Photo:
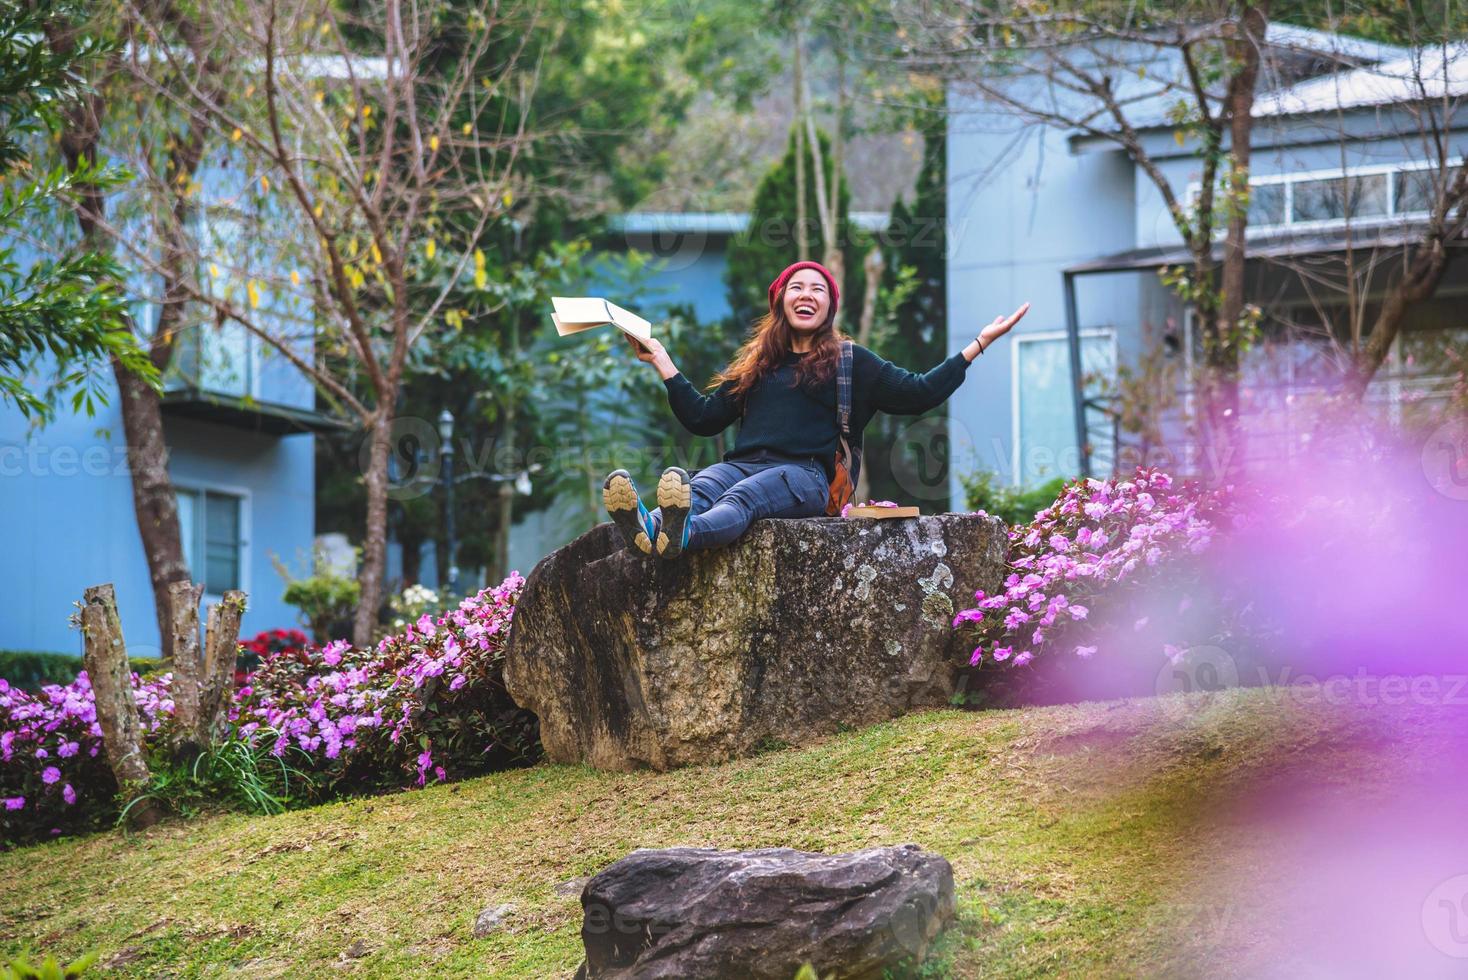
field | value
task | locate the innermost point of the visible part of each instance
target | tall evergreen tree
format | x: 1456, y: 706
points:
x: 905, y: 457
x: 918, y: 240
x: 770, y: 243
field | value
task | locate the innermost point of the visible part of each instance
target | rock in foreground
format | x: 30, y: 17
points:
x: 798, y: 629
x: 696, y: 913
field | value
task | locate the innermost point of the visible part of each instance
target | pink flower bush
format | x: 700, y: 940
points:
x: 54, y: 778
x: 1101, y: 542
x: 426, y: 703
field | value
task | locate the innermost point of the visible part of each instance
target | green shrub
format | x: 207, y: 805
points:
x: 325, y: 600
x: 30, y: 670
x: 1012, y: 505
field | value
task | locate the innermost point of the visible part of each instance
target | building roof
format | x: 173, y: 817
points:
x: 1394, y: 234
x: 715, y: 222
x: 1341, y: 46
x: 1429, y: 73
x: 1357, y: 73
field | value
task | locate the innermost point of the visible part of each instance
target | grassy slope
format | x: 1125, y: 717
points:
x: 1076, y: 833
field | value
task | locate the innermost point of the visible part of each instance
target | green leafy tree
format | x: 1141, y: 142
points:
x: 609, y: 79
x: 60, y: 316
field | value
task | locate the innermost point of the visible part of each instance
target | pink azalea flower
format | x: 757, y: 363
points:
x: 1023, y: 657
x: 50, y: 775
x: 1015, y: 618
x: 68, y: 794
x: 331, y: 654
x: 1085, y: 652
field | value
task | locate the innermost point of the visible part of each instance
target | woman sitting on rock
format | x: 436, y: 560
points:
x: 782, y: 385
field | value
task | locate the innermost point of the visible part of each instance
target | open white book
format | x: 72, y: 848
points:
x: 574, y: 314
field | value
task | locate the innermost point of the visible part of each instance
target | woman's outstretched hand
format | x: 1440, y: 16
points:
x: 651, y: 351
x: 997, y: 328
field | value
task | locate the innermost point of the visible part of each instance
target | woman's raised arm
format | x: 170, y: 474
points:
x: 703, y: 415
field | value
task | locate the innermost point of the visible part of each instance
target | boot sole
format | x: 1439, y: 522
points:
x: 675, y: 497
x: 620, y: 498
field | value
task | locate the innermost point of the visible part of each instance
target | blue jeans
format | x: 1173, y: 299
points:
x: 729, y: 496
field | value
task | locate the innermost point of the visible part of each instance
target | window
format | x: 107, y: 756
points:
x: 213, y: 540
x: 1267, y: 204
x: 1337, y: 198
x: 1416, y: 191
x: 1045, y: 435
x: 1278, y: 201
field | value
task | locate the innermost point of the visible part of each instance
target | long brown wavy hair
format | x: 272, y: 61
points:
x: 770, y: 339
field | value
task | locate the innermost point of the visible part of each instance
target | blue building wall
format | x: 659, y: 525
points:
x: 1026, y: 202
x: 67, y: 516
x: 689, y: 270
x: 1021, y: 207
x: 66, y: 506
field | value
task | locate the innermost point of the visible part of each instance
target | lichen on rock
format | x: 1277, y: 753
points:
x: 633, y: 661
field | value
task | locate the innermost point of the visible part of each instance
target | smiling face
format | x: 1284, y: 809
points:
x: 806, y: 301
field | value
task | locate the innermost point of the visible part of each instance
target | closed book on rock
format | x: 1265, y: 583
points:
x: 871, y: 510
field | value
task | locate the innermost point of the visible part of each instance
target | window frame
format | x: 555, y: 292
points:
x: 246, y: 528
x: 1292, y: 177
x: 1016, y: 450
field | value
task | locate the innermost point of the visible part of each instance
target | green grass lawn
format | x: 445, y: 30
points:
x: 1079, y: 836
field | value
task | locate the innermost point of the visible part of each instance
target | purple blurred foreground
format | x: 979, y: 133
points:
x: 1360, y: 555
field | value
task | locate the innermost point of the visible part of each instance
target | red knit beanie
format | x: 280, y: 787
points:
x: 791, y: 270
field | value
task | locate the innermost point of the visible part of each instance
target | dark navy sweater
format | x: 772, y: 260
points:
x: 801, y: 422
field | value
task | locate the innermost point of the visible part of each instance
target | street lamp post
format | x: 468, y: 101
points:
x: 446, y: 436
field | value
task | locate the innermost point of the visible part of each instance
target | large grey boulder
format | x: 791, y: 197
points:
x: 697, y: 913
x: 798, y: 629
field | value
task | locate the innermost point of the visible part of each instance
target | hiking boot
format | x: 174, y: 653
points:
x: 675, y: 499
x: 624, y: 506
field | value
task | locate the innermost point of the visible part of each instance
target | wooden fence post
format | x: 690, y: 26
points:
x: 105, y: 659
